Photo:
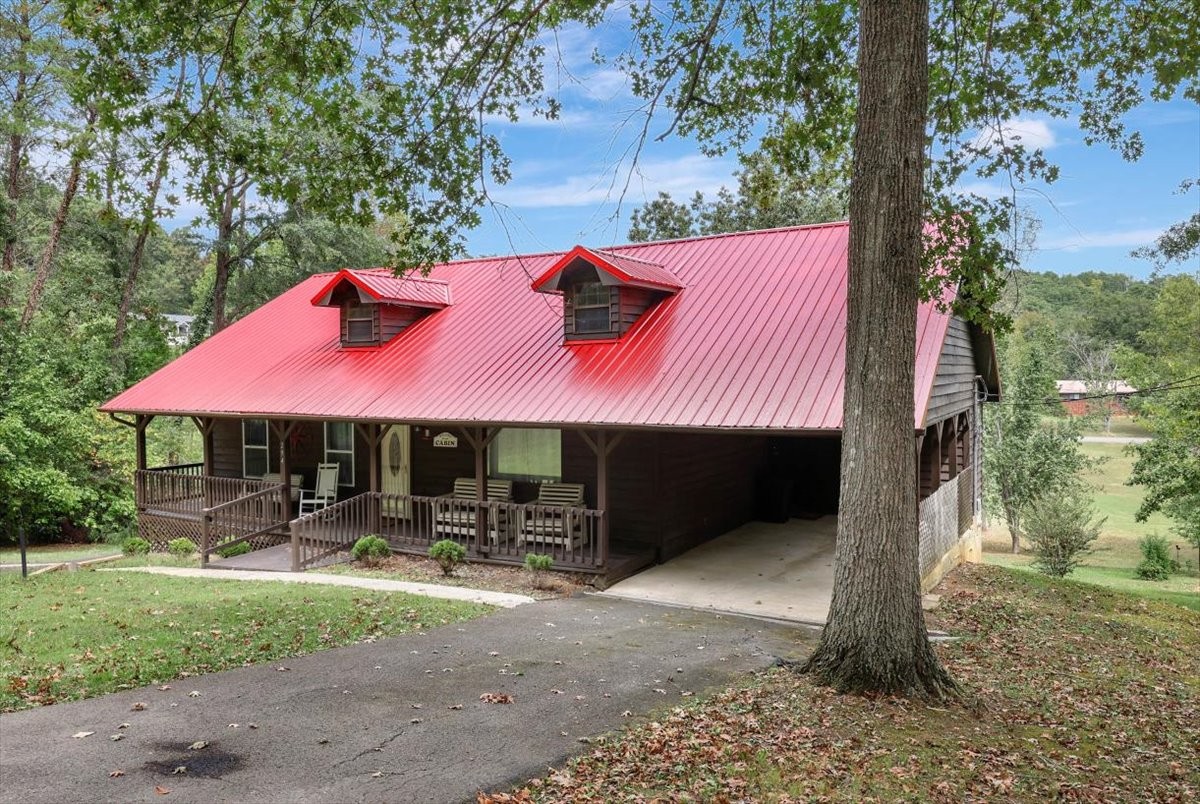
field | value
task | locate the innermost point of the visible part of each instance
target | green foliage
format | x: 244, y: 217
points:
x: 1157, y: 564
x: 227, y: 550
x: 181, y: 547
x: 448, y: 554
x: 1060, y: 528
x: 135, y: 546
x: 536, y: 562
x: 1026, y: 455
x: 767, y: 197
x: 370, y: 549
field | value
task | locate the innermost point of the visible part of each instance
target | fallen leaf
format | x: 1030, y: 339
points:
x: 116, y: 737
x: 123, y: 726
x: 627, y: 713
x: 233, y: 725
x: 116, y: 773
x: 179, y: 770
x: 164, y: 688
x: 415, y: 720
x: 159, y: 790
x: 196, y: 746
x: 138, y: 707
x: 282, y: 669
x: 79, y: 735
x: 376, y: 774
x: 454, y: 706
x: 252, y: 725
x: 496, y: 698
x: 194, y: 694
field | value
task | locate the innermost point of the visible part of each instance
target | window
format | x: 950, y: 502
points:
x: 360, y: 323
x: 526, y: 454
x: 591, y: 301
x: 339, y: 449
x: 255, y: 454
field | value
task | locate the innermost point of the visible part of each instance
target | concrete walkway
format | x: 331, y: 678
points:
x: 399, y: 720
x: 782, y: 571
x: 502, y: 599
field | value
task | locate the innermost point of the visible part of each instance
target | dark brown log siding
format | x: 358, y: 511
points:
x: 954, y: 384
x: 307, y: 444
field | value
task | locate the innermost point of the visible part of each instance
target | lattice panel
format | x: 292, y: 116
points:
x: 159, y: 530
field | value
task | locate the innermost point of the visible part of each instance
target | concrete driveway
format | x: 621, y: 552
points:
x: 783, y: 571
x: 400, y: 720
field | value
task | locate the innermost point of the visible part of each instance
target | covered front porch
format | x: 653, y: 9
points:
x: 205, y: 504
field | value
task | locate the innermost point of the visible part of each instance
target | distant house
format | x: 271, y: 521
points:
x: 1074, y: 395
x: 178, y: 328
x: 610, y: 407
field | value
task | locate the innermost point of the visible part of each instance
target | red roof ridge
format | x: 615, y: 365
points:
x: 743, y: 233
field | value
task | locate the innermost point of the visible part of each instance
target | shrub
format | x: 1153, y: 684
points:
x: 538, y: 565
x: 370, y: 550
x: 448, y: 554
x: 181, y: 547
x: 1157, y: 564
x: 231, y: 550
x: 135, y: 546
x: 1060, y: 528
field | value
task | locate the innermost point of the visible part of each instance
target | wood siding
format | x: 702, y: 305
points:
x: 307, y: 444
x: 954, y: 383
x: 394, y: 319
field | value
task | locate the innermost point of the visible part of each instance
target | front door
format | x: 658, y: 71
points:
x: 396, y: 476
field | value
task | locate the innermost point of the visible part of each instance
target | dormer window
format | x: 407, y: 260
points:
x: 361, y: 324
x: 604, y: 294
x: 591, y: 303
x: 377, y: 306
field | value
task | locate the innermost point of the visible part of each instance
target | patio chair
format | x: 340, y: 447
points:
x: 454, y: 513
x: 325, y: 493
x: 560, y: 522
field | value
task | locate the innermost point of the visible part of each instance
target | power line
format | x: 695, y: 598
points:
x: 1176, y: 385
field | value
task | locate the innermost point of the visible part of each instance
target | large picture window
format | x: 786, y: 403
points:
x: 523, y: 454
x: 339, y: 449
x: 256, y: 457
x: 591, y: 302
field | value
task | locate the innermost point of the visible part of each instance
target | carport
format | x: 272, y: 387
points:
x: 783, y: 571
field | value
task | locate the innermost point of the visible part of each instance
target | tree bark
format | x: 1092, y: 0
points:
x: 45, y: 265
x: 875, y: 640
x: 16, y: 144
x: 224, y: 257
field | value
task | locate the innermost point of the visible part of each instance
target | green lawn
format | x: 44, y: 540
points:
x: 1121, y: 426
x: 1116, y: 552
x: 1070, y: 693
x: 69, y: 635
x: 52, y: 553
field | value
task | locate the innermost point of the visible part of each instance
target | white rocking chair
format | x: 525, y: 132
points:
x: 325, y: 494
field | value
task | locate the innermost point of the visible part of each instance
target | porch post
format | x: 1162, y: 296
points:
x: 140, y: 425
x: 283, y: 431
x: 373, y: 434
x: 602, y: 492
x: 205, y: 425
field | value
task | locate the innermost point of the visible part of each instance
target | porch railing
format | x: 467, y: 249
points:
x: 188, y: 492
x: 242, y: 520
x: 572, y: 537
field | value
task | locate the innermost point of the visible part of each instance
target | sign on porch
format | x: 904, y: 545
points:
x: 445, y: 440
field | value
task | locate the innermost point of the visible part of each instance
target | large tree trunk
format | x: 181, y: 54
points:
x: 224, y: 257
x: 45, y: 264
x: 16, y: 145
x: 875, y: 640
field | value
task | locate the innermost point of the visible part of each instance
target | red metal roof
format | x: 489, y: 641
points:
x: 754, y: 341
x: 624, y: 268
x: 384, y: 286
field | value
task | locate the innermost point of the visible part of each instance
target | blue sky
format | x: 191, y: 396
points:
x: 570, y: 174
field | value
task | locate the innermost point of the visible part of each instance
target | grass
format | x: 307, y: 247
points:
x: 1127, y: 426
x: 1069, y: 692
x: 65, y: 636
x: 54, y: 553
x: 1116, y: 552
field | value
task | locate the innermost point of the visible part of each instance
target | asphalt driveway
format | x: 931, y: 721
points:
x: 399, y: 720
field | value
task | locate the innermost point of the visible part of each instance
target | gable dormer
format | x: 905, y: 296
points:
x: 604, y: 293
x: 376, y: 306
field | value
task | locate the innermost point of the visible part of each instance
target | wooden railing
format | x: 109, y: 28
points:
x: 241, y: 520
x: 180, y: 468
x: 189, y: 493
x: 573, y: 537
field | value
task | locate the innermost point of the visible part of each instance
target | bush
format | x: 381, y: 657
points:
x: 538, y: 565
x: 231, y: 550
x: 448, y: 554
x: 1157, y: 564
x: 181, y: 547
x: 135, y: 546
x: 370, y: 550
x: 1060, y: 529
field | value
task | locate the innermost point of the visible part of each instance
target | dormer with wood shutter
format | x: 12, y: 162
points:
x: 604, y: 293
x: 377, y: 306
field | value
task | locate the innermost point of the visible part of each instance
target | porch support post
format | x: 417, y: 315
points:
x: 206, y: 425
x: 480, y: 438
x: 602, y: 446
x: 372, y: 434
x: 140, y: 425
x: 920, y: 444
x: 283, y: 432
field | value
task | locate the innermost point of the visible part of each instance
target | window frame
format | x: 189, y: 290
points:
x: 494, y: 456
x: 576, y: 307
x: 265, y: 447
x: 365, y: 312
x: 326, y: 451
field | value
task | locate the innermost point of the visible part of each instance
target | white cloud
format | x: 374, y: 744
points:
x: 1127, y: 238
x: 1029, y: 132
x: 680, y: 176
x: 526, y: 118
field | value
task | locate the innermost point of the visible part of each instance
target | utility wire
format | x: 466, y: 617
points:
x: 1185, y: 383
